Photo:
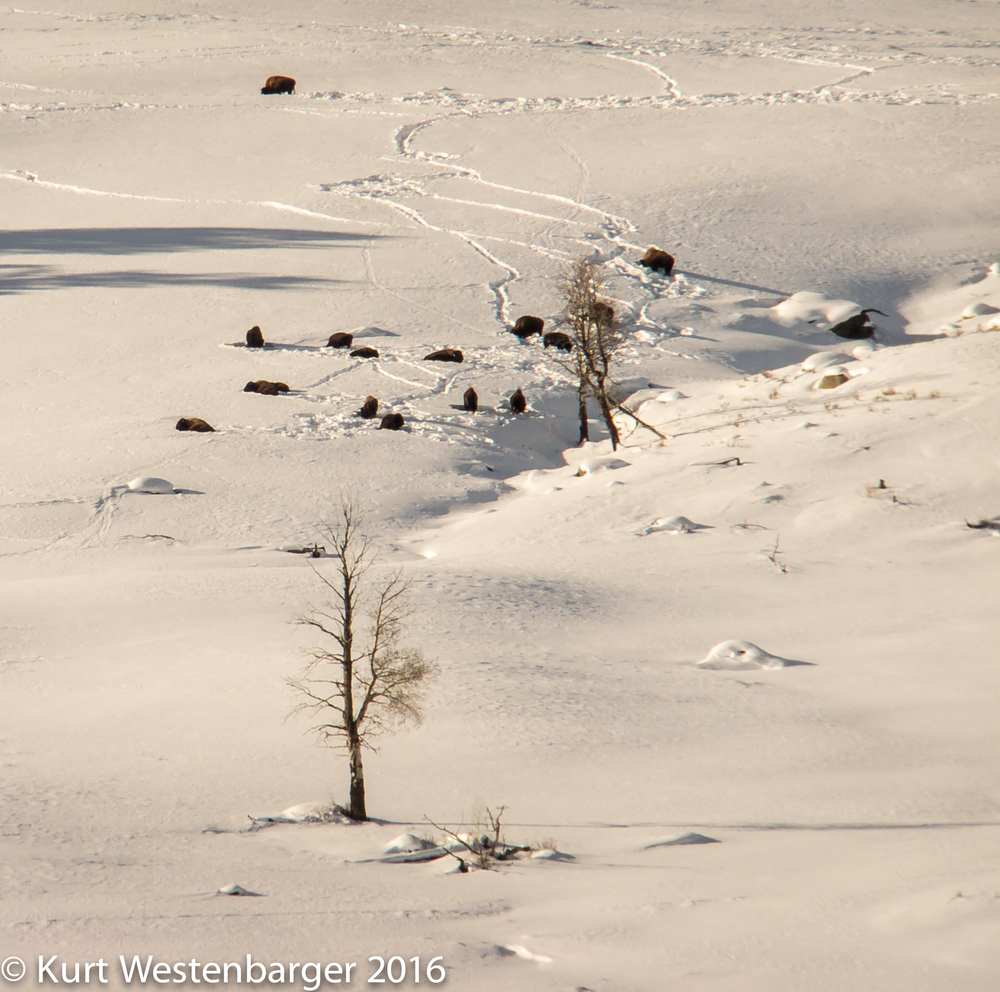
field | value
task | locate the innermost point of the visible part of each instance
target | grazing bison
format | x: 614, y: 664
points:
x: 518, y: 403
x: 471, y: 400
x: 255, y: 339
x: 365, y: 353
x: 655, y: 259
x: 369, y: 408
x: 266, y: 388
x: 445, y: 355
x: 341, y: 339
x: 526, y: 326
x: 195, y: 424
x: 279, y: 84
x: 857, y: 327
x: 556, y: 339
x: 391, y: 422
x: 603, y: 313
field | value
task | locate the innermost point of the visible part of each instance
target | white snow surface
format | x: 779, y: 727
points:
x: 437, y: 166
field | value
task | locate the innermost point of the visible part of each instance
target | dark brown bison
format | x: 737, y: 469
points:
x: 266, y: 388
x: 391, y: 422
x: 857, y: 327
x: 195, y: 424
x: 471, y: 400
x: 445, y: 355
x: 603, y: 313
x: 341, y: 339
x: 518, y: 403
x: 279, y: 84
x: 556, y: 339
x: 526, y: 326
x: 255, y: 339
x: 365, y: 353
x: 369, y: 408
x: 656, y: 258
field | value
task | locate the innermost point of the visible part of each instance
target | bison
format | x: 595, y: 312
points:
x: 471, y: 400
x: 279, y: 84
x: 391, y: 422
x: 857, y: 327
x: 266, y: 388
x: 445, y: 355
x: 369, y: 408
x: 656, y: 258
x: 526, y: 326
x: 341, y: 339
x: 518, y: 403
x: 365, y: 353
x: 603, y: 313
x: 195, y: 424
x: 557, y: 339
x: 255, y: 339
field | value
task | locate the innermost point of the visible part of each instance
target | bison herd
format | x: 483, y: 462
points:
x: 524, y: 328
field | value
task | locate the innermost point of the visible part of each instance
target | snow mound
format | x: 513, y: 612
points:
x: 825, y: 359
x: 740, y: 656
x: 149, y: 484
x: 979, y: 309
x: 406, y: 843
x: 312, y: 813
x: 815, y: 309
x: 674, y: 525
x: 681, y: 840
x: 414, y: 857
x: 655, y: 394
x: 236, y: 890
x: 592, y: 465
x: 550, y: 854
x: 524, y: 954
x: 863, y: 350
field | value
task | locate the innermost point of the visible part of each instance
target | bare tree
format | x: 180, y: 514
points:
x: 361, y: 685
x: 597, y: 338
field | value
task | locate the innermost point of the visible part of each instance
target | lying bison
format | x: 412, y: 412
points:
x: 279, y: 84
x: 365, y: 353
x: 195, y: 424
x: 857, y: 327
x: 266, y: 388
x: 471, y: 400
x: 341, y: 339
x: 369, y: 408
x: 391, y: 422
x: 557, y: 339
x: 656, y: 258
x: 445, y: 355
x: 526, y: 326
x: 518, y: 403
x: 255, y: 339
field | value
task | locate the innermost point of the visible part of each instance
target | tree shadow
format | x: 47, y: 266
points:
x: 149, y: 240
x: 732, y: 282
x: 26, y: 278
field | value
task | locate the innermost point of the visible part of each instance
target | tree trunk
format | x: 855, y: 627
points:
x: 609, y: 419
x: 357, y: 810
x: 584, y: 425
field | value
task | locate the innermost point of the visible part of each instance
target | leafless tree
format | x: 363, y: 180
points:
x: 597, y: 339
x: 360, y: 685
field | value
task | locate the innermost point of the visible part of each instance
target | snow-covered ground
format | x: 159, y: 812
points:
x: 427, y: 183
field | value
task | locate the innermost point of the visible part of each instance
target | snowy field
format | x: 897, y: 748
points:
x: 427, y: 183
